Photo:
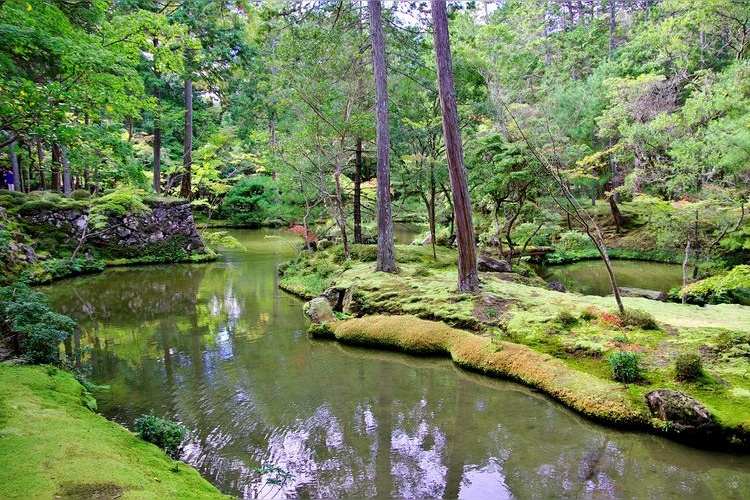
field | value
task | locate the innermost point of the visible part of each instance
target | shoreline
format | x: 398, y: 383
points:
x: 55, y: 445
x: 573, y: 333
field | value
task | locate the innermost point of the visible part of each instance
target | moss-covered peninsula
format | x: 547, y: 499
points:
x: 559, y: 343
x: 54, y: 446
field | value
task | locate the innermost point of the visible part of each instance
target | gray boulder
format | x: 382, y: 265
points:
x: 685, y: 414
x: 319, y: 310
x: 642, y: 292
x: 556, y: 286
x: 489, y: 265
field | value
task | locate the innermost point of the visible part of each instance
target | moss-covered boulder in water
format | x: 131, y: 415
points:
x: 684, y: 414
x: 319, y: 310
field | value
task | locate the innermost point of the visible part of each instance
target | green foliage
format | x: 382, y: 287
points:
x: 222, y: 238
x: 52, y: 269
x: 165, y: 434
x: 566, y: 318
x: 80, y: 194
x: 688, y: 367
x: 40, y: 331
x: 119, y: 202
x: 9, y: 199
x: 625, y: 366
x: 573, y: 240
x: 251, y: 202
x: 727, y: 288
x: 638, y: 319
x: 588, y: 314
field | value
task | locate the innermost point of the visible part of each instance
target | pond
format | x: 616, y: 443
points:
x: 220, y: 348
x: 590, y: 276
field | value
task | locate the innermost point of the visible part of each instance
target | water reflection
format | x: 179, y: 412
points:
x: 590, y: 277
x: 221, y: 349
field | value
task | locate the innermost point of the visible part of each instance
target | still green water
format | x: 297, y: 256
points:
x: 590, y: 276
x: 220, y: 348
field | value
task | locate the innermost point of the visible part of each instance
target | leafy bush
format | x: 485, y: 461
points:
x: 50, y: 270
x: 731, y: 287
x: 625, y: 366
x: 251, y: 201
x: 165, y: 434
x: 118, y: 202
x: 36, y: 206
x: 80, y: 195
x: 589, y: 314
x: 639, y: 319
x: 40, y: 330
x: 565, y: 318
x: 573, y: 240
x: 688, y: 367
x: 10, y: 199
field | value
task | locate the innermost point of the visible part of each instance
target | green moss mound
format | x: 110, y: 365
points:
x: 53, y: 446
x: 600, y: 399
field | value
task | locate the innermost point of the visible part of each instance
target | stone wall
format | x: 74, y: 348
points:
x: 168, y: 227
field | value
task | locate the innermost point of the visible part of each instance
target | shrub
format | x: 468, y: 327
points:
x: 40, y: 330
x: 80, y: 195
x: 165, y: 434
x: 589, y: 314
x: 625, y: 366
x: 727, y: 288
x: 688, y: 367
x: 573, y: 240
x: 422, y: 271
x: 251, y: 202
x: 565, y: 318
x: 36, y: 206
x: 639, y: 319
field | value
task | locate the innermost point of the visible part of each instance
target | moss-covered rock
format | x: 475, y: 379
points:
x: 319, y: 310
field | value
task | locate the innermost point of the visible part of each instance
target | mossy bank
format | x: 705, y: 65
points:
x: 560, y: 343
x: 54, y: 446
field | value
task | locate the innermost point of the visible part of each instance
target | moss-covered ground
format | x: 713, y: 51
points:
x: 510, y: 319
x: 53, y: 446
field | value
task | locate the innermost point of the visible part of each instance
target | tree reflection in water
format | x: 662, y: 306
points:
x: 221, y: 349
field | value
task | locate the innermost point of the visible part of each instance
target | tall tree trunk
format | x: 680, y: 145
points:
x: 617, y: 217
x: 157, y: 133
x: 612, y: 27
x: 358, y: 192
x: 341, y: 215
x: 431, y: 211
x: 468, y: 279
x: 40, y: 156
x: 56, y: 159
x: 14, y: 166
x: 65, y: 170
x: 157, y: 155
x: 697, y: 251
x: 386, y: 253
x: 685, y: 263
x: 130, y: 128
x: 187, y: 147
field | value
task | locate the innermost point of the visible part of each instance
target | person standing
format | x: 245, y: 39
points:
x: 10, y: 181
